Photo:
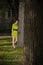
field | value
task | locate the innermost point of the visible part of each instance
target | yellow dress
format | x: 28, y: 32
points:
x: 15, y: 30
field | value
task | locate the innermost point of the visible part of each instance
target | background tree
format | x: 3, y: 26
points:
x: 14, y: 4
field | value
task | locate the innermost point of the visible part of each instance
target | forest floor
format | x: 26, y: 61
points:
x: 9, y: 55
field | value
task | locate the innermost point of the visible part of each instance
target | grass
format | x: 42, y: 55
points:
x: 9, y: 55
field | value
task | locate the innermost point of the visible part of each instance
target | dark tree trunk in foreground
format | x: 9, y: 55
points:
x: 33, y: 43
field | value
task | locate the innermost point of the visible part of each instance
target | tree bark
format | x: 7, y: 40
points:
x: 32, y: 40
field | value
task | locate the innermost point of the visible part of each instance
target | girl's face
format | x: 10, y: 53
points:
x: 16, y: 21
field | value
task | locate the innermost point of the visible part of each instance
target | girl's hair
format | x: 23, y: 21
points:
x: 14, y: 20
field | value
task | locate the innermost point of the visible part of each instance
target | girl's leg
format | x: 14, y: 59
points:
x: 13, y: 42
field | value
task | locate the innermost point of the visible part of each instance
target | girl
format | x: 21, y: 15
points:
x: 15, y: 33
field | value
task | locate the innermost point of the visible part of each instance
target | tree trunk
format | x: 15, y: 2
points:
x: 32, y: 23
